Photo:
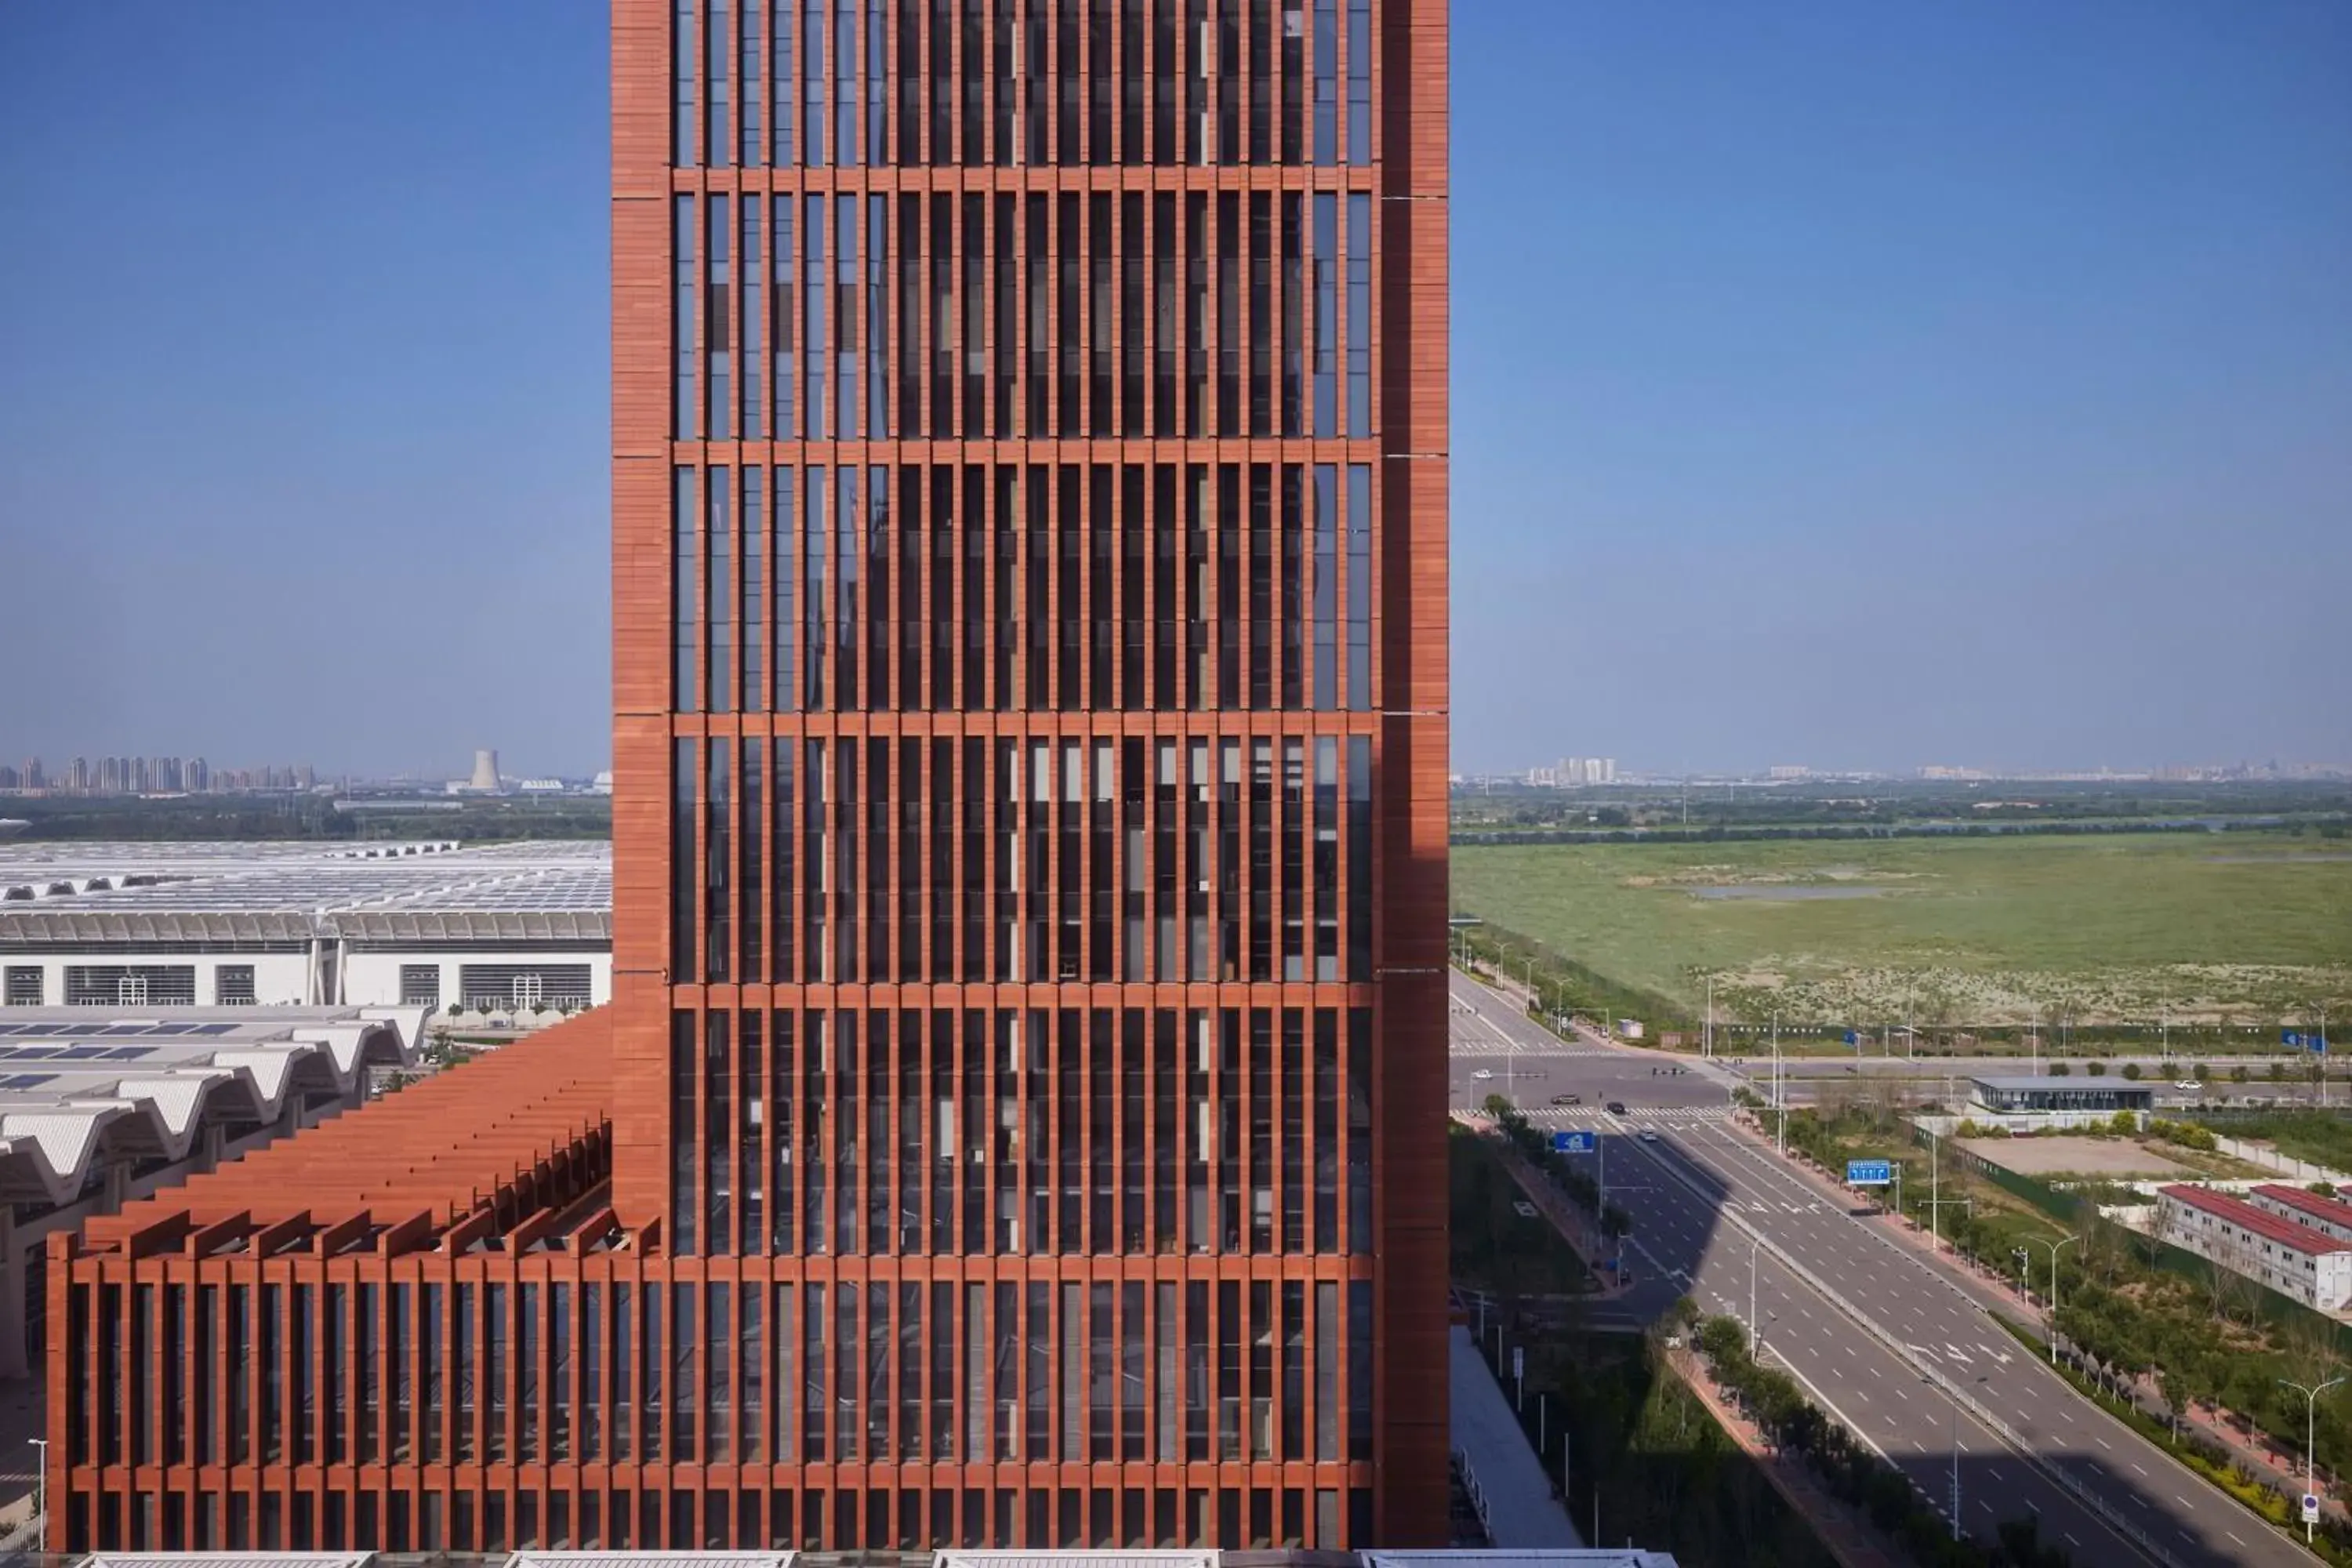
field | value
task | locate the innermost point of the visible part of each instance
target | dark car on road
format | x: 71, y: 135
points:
x: 1616, y: 1108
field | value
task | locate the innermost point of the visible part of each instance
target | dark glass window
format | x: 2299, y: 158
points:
x: 682, y: 116
x: 683, y: 426
x: 718, y: 859
x: 684, y: 601
x: 719, y: 602
x: 682, y: 889
x: 1360, y: 81
x: 684, y: 1200
x: 1359, y: 315
x: 718, y: 339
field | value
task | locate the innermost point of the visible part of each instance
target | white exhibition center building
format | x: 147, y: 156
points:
x: 497, y: 929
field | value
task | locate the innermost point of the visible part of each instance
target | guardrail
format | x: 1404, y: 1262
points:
x: 2066, y: 1482
x: 1474, y: 1491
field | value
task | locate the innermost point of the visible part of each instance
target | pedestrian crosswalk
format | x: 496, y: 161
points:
x: 1679, y: 1113
x: 1668, y: 1116
x: 1466, y: 1045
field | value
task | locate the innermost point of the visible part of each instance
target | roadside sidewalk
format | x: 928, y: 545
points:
x: 1848, y: 1537
x: 2272, y: 1464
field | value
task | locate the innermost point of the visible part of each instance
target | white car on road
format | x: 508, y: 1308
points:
x: 1483, y: 1074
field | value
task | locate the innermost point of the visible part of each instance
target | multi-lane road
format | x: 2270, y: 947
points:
x: 1714, y: 1212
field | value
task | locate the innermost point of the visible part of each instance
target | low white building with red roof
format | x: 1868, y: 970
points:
x: 2296, y: 1260
x: 2329, y: 1216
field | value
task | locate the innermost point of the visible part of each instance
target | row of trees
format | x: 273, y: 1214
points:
x: 2193, y: 1332
x: 1536, y: 1148
x: 1636, y: 1454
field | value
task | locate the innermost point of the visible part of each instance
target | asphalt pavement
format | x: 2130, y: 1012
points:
x: 1696, y: 1187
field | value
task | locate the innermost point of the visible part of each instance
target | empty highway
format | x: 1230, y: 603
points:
x: 1698, y: 1190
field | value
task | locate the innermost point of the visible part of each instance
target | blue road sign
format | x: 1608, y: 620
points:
x: 1868, y: 1173
x: 1571, y: 1143
x: 2295, y: 1040
x: 1852, y: 1038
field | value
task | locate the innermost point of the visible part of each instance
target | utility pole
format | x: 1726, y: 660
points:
x: 1708, y: 1050
x: 2310, y: 1420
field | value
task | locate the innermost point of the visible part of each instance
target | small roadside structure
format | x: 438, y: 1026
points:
x: 2067, y: 1096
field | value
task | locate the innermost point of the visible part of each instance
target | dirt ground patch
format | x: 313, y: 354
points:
x: 2075, y: 1157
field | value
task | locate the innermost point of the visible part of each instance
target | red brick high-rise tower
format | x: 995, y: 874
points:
x: 1030, y: 529
x: 1023, y: 1117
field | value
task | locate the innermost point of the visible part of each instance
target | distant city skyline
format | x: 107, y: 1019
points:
x: 146, y: 774
x: 144, y: 771
x: 1836, y: 382
x: 1588, y: 770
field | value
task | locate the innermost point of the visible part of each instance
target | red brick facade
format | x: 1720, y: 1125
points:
x: 1022, y: 1117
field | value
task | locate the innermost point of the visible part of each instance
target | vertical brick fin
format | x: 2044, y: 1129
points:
x: 1413, y: 370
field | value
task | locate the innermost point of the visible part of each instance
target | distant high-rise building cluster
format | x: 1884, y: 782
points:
x: 1570, y: 772
x: 149, y: 776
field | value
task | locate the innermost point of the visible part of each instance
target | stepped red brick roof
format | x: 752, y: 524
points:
x: 451, y: 1145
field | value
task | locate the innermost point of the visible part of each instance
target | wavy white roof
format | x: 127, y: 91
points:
x: 81, y: 1085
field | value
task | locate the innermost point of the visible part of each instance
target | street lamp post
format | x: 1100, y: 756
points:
x: 1954, y: 1443
x: 1779, y: 1090
x: 2310, y: 1425
x: 1755, y: 1324
x: 1953, y: 1399
x: 2055, y: 1247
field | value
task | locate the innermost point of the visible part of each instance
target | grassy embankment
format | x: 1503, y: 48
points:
x: 2107, y: 935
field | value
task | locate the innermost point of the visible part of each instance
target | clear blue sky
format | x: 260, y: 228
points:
x: 1835, y: 383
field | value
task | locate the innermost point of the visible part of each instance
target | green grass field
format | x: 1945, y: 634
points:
x: 2248, y: 927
